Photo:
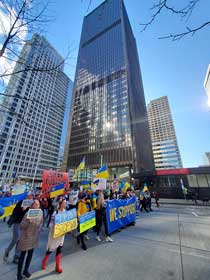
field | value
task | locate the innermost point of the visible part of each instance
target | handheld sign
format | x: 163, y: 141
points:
x: 65, y: 222
x: 33, y: 213
x: 87, y: 221
x: 26, y: 203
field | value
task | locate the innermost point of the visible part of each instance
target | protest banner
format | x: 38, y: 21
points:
x: 65, y: 222
x: 26, y: 203
x: 33, y: 213
x: 87, y: 221
x: 120, y: 213
x: 52, y: 179
x: 8, y: 204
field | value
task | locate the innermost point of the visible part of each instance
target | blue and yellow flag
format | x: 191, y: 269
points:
x: 126, y: 186
x: 8, y: 204
x: 57, y: 190
x: 86, y: 185
x: 103, y: 172
x: 80, y: 167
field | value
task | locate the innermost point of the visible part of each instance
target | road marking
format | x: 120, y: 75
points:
x: 196, y: 215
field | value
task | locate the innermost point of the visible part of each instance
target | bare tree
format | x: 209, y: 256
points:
x: 19, y: 20
x: 185, y: 13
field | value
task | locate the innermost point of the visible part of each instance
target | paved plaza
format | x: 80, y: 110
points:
x: 172, y: 242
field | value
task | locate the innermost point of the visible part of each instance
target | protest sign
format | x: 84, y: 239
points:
x: 52, y: 179
x: 99, y: 184
x: 65, y: 222
x: 26, y: 203
x: 87, y: 221
x: 33, y: 213
x: 120, y: 213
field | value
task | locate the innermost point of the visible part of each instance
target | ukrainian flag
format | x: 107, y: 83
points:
x: 85, y: 185
x: 103, y: 173
x: 80, y: 167
x: 57, y: 190
x: 8, y: 204
x: 82, y: 164
x: 126, y: 186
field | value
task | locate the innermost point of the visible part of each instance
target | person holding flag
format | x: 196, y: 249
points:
x: 15, y: 220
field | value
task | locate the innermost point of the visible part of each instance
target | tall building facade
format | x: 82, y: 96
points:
x: 207, y: 83
x: 33, y: 114
x: 108, y: 114
x: 164, y: 142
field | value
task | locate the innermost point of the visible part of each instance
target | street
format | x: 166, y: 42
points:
x: 172, y: 242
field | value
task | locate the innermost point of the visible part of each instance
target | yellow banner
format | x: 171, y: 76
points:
x: 61, y: 229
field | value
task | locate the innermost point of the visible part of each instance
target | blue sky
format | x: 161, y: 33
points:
x: 176, y: 69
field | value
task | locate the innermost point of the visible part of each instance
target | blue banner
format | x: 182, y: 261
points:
x: 120, y: 212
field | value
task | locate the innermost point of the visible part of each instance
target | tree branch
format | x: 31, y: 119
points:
x: 189, y: 31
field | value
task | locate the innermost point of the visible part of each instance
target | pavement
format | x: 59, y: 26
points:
x: 181, y: 202
x: 172, y: 242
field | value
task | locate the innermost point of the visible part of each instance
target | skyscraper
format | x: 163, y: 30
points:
x: 164, y: 143
x: 108, y: 114
x: 33, y: 112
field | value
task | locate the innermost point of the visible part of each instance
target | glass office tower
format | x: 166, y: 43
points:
x: 32, y: 119
x: 108, y: 113
x: 164, y: 142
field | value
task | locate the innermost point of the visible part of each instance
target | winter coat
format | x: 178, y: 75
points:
x: 54, y: 243
x: 82, y: 208
x: 29, y: 232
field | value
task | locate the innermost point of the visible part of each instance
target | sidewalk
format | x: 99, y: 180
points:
x: 180, y: 202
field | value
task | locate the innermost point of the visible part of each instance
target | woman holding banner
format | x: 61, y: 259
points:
x: 55, y: 243
x: 101, y: 218
x: 29, y: 234
x: 82, y: 209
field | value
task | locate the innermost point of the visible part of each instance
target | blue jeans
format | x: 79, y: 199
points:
x: 15, y: 239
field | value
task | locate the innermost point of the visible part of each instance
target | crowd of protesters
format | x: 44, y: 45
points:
x: 26, y: 231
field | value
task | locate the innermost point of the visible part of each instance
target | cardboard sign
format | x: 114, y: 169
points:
x: 26, y: 203
x: 87, y: 221
x: 65, y: 222
x: 33, y: 213
x: 99, y: 184
x: 51, y: 179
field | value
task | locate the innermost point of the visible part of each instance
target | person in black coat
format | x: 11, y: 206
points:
x: 16, y: 218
